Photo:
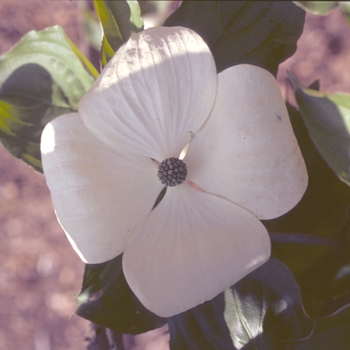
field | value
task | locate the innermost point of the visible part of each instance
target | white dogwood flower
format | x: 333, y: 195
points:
x: 107, y: 164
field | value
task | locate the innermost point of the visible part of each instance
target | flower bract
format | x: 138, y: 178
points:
x: 243, y: 163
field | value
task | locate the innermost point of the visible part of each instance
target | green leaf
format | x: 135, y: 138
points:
x: 43, y: 76
x: 53, y: 51
x: 319, y: 228
x: 262, y: 33
x: 106, y: 299
x: 23, y: 116
x: 331, y: 332
x: 318, y: 7
x: 322, y: 272
x: 345, y: 6
x: 262, y: 311
x: 265, y: 308
x: 119, y: 19
x: 202, y: 327
x: 327, y: 117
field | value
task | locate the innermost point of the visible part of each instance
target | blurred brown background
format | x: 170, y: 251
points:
x: 39, y: 272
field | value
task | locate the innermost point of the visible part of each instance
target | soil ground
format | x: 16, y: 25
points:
x: 39, y: 272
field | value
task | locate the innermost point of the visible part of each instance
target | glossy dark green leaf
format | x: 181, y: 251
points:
x: 203, y: 327
x: 119, y: 19
x: 327, y: 117
x: 330, y: 333
x: 319, y: 228
x: 322, y: 272
x: 106, y: 299
x: 43, y: 76
x: 265, y: 308
x: 262, y: 311
x: 262, y: 33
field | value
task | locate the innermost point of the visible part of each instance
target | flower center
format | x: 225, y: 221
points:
x: 172, y: 172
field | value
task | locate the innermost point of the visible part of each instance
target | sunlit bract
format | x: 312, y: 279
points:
x: 243, y: 164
